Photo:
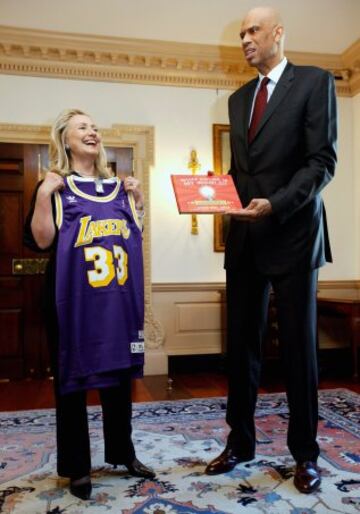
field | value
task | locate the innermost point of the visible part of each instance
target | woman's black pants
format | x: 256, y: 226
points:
x: 72, y: 430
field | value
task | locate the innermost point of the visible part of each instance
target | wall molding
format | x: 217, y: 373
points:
x: 184, y: 287
x: 193, y: 315
x: 41, y: 53
x: 339, y: 284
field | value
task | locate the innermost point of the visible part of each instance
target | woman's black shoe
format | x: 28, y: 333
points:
x: 138, y: 469
x: 81, y: 487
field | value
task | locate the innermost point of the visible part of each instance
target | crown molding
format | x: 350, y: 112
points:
x: 44, y: 53
x: 351, y: 60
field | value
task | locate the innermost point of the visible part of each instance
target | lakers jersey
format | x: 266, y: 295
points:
x: 99, y: 283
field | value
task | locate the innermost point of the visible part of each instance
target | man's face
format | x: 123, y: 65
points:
x: 260, y: 37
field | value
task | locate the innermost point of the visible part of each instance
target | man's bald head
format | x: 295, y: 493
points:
x: 267, y: 14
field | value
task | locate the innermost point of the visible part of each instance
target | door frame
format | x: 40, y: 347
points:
x: 141, y: 139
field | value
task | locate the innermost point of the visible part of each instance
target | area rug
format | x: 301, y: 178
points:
x: 178, y: 438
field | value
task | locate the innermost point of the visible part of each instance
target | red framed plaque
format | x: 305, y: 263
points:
x: 204, y: 194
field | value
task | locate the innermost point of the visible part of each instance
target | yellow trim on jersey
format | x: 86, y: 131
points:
x: 134, y: 211
x: 58, y: 209
x: 94, y: 198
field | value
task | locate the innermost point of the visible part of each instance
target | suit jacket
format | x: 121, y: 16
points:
x: 289, y: 161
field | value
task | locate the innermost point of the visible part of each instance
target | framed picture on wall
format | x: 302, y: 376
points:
x: 221, y: 152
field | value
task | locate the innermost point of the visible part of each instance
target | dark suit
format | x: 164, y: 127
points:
x: 290, y: 160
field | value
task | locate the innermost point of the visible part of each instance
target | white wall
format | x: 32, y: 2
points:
x: 340, y: 202
x: 183, y: 119
x: 324, y: 26
x: 356, y: 189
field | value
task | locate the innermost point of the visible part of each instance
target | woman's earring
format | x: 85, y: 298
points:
x: 67, y: 147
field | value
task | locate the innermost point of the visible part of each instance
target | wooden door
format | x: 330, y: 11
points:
x: 120, y: 160
x: 23, y: 348
x: 22, y: 340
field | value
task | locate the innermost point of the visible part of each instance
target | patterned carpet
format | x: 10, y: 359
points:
x: 178, y: 438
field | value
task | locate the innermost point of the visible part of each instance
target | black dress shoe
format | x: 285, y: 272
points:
x: 225, y: 462
x: 307, y: 477
x: 81, y: 487
x: 138, y: 469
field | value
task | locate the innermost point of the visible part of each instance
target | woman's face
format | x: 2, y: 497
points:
x: 82, y: 137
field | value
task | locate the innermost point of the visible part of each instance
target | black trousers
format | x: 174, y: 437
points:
x: 72, y: 431
x: 247, y: 306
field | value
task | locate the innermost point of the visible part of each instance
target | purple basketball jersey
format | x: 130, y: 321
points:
x: 99, y: 284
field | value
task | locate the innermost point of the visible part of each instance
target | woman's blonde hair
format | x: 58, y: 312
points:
x: 59, y: 156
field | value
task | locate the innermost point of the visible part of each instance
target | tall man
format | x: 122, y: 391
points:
x: 283, y: 135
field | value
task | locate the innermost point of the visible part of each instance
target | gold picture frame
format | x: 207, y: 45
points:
x: 222, y: 158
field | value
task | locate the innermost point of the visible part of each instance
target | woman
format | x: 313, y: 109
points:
x: 94, y: 304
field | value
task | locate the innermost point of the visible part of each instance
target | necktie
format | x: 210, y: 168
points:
x: 259, y: 108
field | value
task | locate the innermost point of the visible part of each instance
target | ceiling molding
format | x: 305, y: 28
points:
x: 43, y: 53
x: 351, y: 60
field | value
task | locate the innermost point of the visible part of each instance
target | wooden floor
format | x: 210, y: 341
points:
x: 37, y: 394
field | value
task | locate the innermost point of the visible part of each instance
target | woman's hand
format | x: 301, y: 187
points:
x: 42, y: 223
x: 52, y: 182
x: 132, y: 184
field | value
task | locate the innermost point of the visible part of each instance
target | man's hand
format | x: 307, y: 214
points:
x: 257, y: 209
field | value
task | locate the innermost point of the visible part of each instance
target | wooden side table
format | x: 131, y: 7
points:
x: 347, y: 302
